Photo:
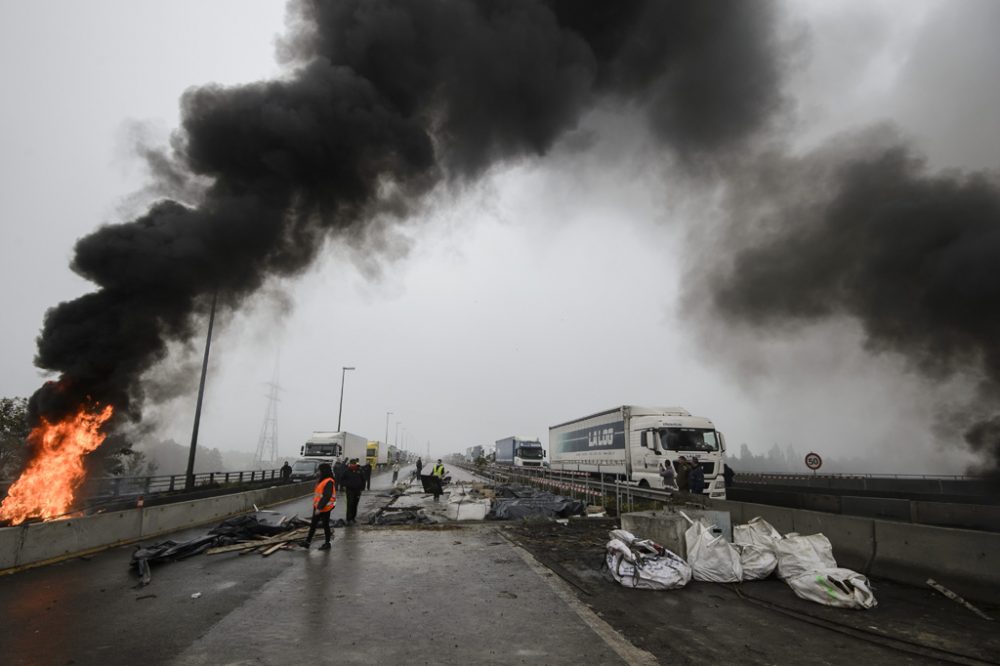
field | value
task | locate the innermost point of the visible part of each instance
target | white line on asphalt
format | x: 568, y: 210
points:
x: 632, y: 655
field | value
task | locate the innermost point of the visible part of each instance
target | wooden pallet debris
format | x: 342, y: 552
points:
x: 278, y: 539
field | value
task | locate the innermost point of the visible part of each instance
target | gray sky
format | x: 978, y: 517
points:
x: 546, y: 291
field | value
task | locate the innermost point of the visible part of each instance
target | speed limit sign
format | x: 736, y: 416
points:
x: 813, y: 461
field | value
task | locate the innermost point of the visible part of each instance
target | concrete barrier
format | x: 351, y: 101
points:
x: 34, y: 544
x: 963, y: 560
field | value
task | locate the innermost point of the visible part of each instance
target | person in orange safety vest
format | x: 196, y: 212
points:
x: 324, y: 499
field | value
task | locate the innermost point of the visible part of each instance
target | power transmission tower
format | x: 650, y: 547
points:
x: 267, y: 443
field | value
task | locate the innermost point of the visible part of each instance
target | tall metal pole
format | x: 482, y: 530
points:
x: 343, y: 373
x: 398, y: 423
x: 189, y: 477
x: 387, y: 429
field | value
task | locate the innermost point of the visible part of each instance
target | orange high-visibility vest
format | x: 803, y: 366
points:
x: 318, y: 496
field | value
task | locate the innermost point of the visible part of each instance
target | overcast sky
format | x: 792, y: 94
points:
x: 546, y: 291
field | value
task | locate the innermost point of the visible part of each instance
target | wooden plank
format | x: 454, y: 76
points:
x: 272, y: 549
x: 278, y: 538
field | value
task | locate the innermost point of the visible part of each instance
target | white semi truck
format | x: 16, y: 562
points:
x: 333, y: 445
x: 520, y: 452
x: 631, y: 443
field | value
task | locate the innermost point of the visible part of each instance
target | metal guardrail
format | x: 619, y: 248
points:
x: 575, y: 484
x: 110, y: 487
x: 807, y: 475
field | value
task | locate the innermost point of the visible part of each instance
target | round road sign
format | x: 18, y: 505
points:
x: 813, y: 461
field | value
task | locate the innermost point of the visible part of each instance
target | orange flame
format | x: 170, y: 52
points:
x: 46, y: 488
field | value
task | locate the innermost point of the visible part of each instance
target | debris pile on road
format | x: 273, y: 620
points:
x: 263, y: 531
x: 515, y: 502
x: 389, y: 515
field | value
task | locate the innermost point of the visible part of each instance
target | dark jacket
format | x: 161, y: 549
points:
x: 338, y: 473
x: 696, y: 479
x: 728, y: 474
x: 354, y: 478
x: 366, y: 469
x: 683, y: 476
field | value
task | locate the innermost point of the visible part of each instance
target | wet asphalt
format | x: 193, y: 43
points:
x: 380, y: 595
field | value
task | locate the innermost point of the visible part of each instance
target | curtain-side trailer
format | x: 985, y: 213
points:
x: 632, y: 442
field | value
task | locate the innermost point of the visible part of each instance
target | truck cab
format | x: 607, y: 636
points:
x: 662, y: 440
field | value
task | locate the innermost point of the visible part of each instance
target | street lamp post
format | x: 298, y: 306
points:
x: 398, y: 423
x: 387, y: 429
x: 343, y: 373
x: 189, y: 475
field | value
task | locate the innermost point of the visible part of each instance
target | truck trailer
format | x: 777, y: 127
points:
x: 333, y: 445
x: 377, y: 454
x: 631, y: 443
x: 520, y: 452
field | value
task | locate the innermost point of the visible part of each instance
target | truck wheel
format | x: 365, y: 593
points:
x: 644, y: 484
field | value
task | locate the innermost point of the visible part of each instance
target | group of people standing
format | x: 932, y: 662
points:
x: 687, y: 475
x: 684, y: 474
x: 352, y: 478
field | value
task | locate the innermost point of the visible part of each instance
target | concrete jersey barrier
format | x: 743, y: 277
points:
x: 35, y: 544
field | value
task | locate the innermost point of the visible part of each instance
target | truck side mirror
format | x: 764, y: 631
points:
x: 302, y: 450
x: 722, y: 442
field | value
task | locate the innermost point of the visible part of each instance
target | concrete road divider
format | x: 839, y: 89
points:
x: 35, y: 544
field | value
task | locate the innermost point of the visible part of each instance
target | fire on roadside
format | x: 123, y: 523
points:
x: 47, y: 487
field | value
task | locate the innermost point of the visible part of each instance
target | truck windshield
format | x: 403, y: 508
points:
x: 688, y: 439
x: 322, y: 449
x: 530, y: 453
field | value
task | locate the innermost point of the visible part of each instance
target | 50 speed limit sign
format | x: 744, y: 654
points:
x: 813, y: 461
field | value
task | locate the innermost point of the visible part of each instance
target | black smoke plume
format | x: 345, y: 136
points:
x: 383, y: 101
x: 863, y: 229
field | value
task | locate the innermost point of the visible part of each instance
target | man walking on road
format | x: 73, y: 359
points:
x: 324, y: 499
x: 395, y: 472
x: 437, y: 472
x: 354, y: 483
x: 420, y: 466
x: 366, y: 469
x: 338, y: 472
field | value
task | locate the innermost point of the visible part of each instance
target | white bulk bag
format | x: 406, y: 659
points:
x: 757, y: 532
x: 758, y: 562
x: 712, y: 558
x: 834, y: 586
x: 801, y: 554
x: 643, y: 564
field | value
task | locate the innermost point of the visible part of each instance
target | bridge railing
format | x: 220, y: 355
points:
x: 110, y: 487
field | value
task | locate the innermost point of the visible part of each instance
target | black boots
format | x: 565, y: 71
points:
x: 325, y: 546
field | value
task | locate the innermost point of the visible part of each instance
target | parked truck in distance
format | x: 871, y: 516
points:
x: 520, y: 452
x: 333, y: 445
x: 377, y: 454
x: 631, y: 443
